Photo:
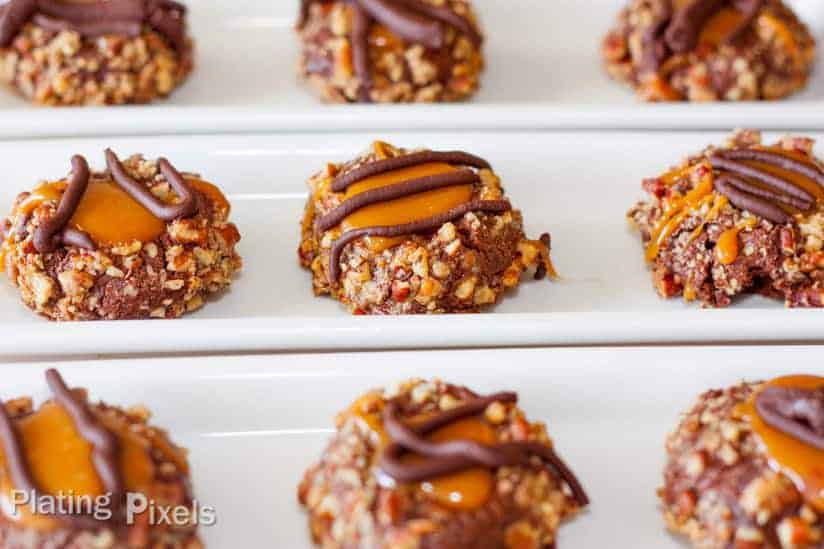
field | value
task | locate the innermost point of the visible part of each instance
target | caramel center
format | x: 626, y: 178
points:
x: 60, y: 459
x: 803, y: 463
x: 720, y: 26
x: 468, y: 489
x: 406, y: 209
x: 109, y: 215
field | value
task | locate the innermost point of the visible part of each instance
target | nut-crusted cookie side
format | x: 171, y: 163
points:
x: 709, y: 238
x: 169, y: 273
x: 388, y: 68
x: 148, y: 463
x: 352, y: 503
x: 65, y: 68
x: 721, y: 489
x: 739, y: 51
x: 459, y: 264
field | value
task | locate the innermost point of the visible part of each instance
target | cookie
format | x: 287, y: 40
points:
x: 709, y: 50
x: 99, y: 52
x: 390, y: 51
x: 139, y: 240
x: 741, y: 218
x: 745, y: 467
x: 430, y: 464
x: 395, y: 231
x: 75, y: 474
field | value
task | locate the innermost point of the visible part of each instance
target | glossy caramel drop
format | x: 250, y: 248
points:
x: 468, y: 489
x: 726, y: 249
x: 407, y: 209
x: 60, y: 460
x: 802, y: 463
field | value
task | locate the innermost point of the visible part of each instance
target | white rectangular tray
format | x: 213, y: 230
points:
x: 253, y: 424
x: 575, y: 185
x: 544, y: 71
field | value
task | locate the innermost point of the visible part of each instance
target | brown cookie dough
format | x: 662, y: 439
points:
x: 399, y: 232
x: 745, y: 467
x: 500, y: 485
x: 709, y: 50
x: 72, y: 462
x: 139, y: 240
x: 390, y: 51
x: 736, y: 219
x: 58, y: 52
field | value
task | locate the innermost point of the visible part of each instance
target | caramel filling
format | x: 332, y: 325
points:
x: 60, y: 460
x: 803, y: 463
x: 464, y: 490
x: 109, y: 215
x: 403, y: 210
x: 720, y: 26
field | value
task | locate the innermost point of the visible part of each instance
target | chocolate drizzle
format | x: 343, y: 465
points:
x: 391, y: 192
x: 420, y: 226
x: 679, y: 31
x: 458, y: 455
x: 54, y: 232
x: 120, y: 17
x: 399, y: 190
x: 105, y: 454
x: 167, y: 212
x: 413, y: 20
x: 762, y: 200
x: 342, y: 182
x: 796, y: 412
x: 106, y: 450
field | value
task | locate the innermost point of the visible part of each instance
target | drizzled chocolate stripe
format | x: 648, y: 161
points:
x: 360, y: 50
x: 412, y: 26
x: 453, y: 456
x: 773, y: 181
x: 54, y: 233
x: 15, y: 457
x: 392, y: 192
x: 686, y: 25
x: 13, y: 453
x: 421, y: 226
x: 342, y: 182
x: 748, y: 187
x: 91, y: 29
x: 796, y: 412
x: 13, y: 17
x: 413, y: 20
x: 122, y: 17
x: 47, y: 237
x: 777, y: 160
x: 679, y: 32
x: 447, y: 16
x: 106, y: 449
x: 167, y: 212
x: 750, y: 202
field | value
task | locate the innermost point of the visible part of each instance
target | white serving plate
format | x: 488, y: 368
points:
x: 544, y: 71
x: 575, y: 185
x: 253, y: 424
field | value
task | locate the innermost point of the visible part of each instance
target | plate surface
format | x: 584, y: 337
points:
x: 253, y: 424
x: 575, y: 185
x: 544, y: 71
